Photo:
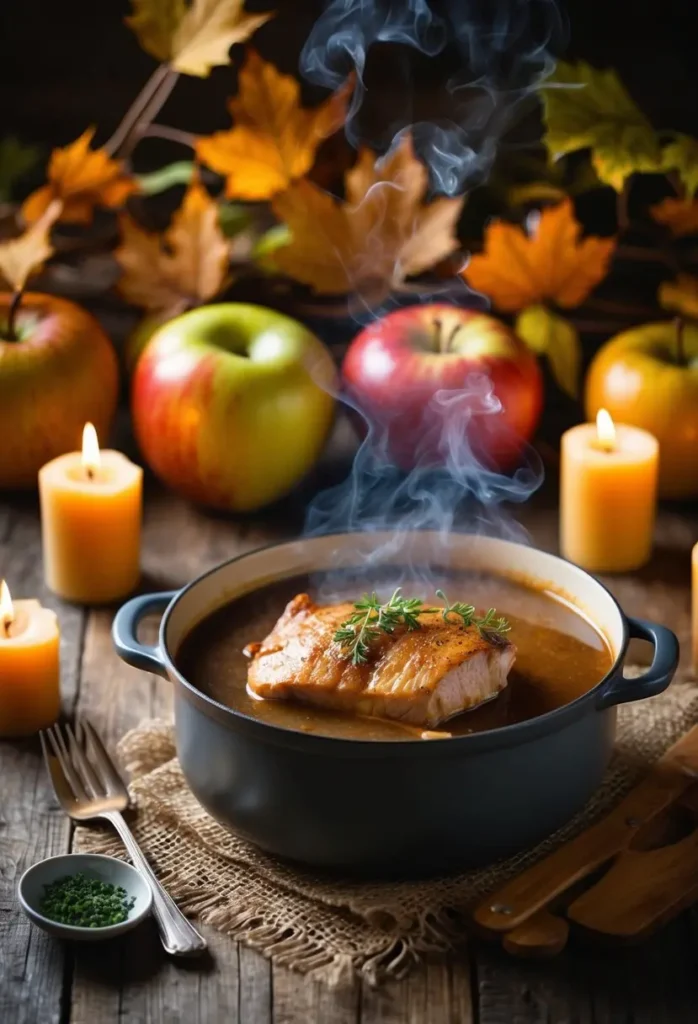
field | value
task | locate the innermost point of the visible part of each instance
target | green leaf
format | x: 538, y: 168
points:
x: 234, y: 218
x: 178, y: 173
x: 681, y: 156
x: 273, y: 239
x: 15, y: 160
x: 585, y: 108
x: 550, y: 335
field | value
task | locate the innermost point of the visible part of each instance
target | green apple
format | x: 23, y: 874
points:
x: 232, y: 404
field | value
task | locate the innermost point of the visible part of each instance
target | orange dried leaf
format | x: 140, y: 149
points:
x: 23, y: 256
x: 274, y: 140
x: 81, y: 178
x: 382, y: 234
x: 192, y: 37
x: 679, y: 215
x: 680, y: 296
x: 550, y: 263
x: 187, y: 265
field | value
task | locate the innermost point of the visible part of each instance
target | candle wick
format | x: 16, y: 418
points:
x: 6, y: 623
x: 90, y: 472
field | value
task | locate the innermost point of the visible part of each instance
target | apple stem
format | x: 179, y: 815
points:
x: 679, y: 325
x: 452, y: 337
x: 10, y: 331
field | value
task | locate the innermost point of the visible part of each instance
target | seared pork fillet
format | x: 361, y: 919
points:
x: 423, y: 676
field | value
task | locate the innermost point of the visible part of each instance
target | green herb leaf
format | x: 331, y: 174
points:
x: 357, y: 634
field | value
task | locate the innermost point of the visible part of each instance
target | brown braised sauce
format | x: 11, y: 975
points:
x: 560, y: 656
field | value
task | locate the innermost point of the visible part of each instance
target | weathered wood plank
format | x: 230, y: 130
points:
x: 298, y: 1000
x: 32, y: 965
x: 593, y: 984
x: 255, y: 987
x: 132, y: 980
x: 440, y: 993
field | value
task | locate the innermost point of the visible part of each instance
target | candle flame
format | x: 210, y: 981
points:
x: 605, y: 430
x: 90, y: 450
x: 7, y: 612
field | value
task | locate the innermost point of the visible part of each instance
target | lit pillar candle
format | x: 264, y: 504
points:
x: 91, y: 505
x: 608, y: 495
x: 29, y: 666
x: 694, y: 591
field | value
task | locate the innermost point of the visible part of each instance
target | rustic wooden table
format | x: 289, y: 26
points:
x: 42, y: 981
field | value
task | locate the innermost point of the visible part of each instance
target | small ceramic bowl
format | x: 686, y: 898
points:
x: 107, y: 869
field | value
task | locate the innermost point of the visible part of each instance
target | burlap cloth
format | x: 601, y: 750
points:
x: 333, y: 926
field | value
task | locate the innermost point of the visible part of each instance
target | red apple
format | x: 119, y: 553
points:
x: 58, y: 372
x: 433, y: 378
x: 232, y: 404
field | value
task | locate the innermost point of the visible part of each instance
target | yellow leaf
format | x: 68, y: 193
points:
x: 81, y: 178
x: 192, y: 37
x: 585, y: 108
x: 155, y: 23
x: 680, y: 296
x: 552, y: 263
x: 552, y: 336
x: 679, y: 215
x: 383, y: 233
x: 21, y: 257
x: 274, y: 140
x: 184, y: 267
x: 681, y: 156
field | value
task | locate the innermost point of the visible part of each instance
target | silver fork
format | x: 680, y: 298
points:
x: 89, y: 786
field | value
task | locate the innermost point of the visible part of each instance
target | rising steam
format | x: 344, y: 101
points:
x: 503, y: 52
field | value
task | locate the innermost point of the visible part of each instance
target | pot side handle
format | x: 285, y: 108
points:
x: 146, y: 657
x: 658, y: 675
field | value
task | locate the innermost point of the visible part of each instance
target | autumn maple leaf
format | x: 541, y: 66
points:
x: 383, y: 233
x: 679, y: 215
x: 681, y: 155
x: 680, y: 296
x: 549, y: 263
x: 585, y: 108
x: 274, y: 139
x: 81, y: 178
x: 25, y: 255
x: 192, y: 37
x: 187, y: 265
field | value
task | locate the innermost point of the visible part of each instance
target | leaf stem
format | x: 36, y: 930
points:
x: 622, y: 206
x: 149, y: 112
x: 133, y: 114
x: 679, y: 325
x: 165, y: 131
x: 15, y: 302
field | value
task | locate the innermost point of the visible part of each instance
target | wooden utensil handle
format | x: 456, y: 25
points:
x: 543, y: 935
x: 642, y: 890
x: 519, y: 899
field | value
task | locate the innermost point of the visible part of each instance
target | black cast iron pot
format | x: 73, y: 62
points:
x: 404, y: 807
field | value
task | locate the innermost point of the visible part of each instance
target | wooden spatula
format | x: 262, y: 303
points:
x: 525, y: 895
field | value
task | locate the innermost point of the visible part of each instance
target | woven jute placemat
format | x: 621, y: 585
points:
x: 332, y: 926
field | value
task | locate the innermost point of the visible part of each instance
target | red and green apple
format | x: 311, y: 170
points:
x: 232, y: 404
x: 57, y: 372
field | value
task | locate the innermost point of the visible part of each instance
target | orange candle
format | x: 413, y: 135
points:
x: 29, y: 666
x: 608, y: 495
x: 694, y: 594
x: 91, y: 508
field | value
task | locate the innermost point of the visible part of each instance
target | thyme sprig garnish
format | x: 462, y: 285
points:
x: 357, y: 634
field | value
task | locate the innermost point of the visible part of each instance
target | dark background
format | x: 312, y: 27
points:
x: 65, y: 64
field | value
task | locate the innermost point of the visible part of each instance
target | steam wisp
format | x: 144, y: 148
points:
x: 504, y: 51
